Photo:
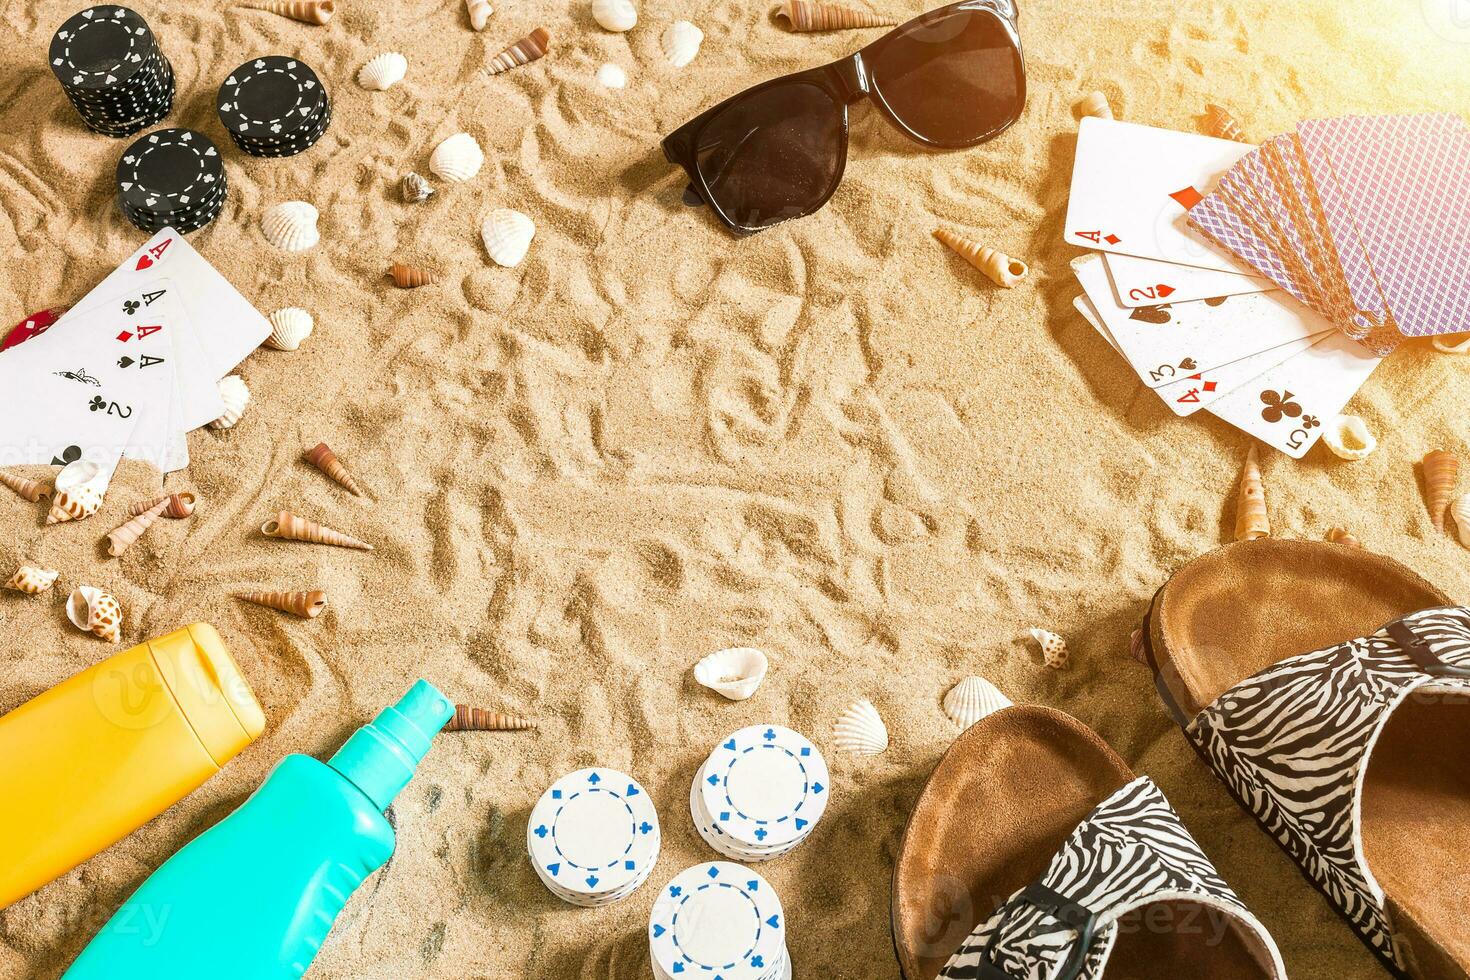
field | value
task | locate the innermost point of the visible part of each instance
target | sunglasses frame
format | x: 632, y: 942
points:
x: 847, y: 81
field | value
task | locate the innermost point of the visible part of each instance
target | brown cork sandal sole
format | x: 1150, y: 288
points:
x: 1236, y: 611
x: 999, y: 805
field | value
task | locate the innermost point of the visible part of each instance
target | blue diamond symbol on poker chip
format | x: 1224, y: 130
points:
x: 541, y: 831
x: 713, y: 872
x: 594, y: 779
x: 628, y: 865
x: 724, y: 815
x: 770, y: 735
x: 806, y: 752
x: 556, y: 794
x: 658, y: 931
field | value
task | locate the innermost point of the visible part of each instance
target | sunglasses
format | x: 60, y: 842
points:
x: 951, y: 78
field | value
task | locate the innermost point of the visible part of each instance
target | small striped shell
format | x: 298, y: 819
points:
x: 32, y: 580
x: 383, y: 72
x: 528, y: 49
x: 457, y: 158
x: 236, y: 396
x: 681, y: 41
x: 291, y: 226
x: 860, y: 730
x: 414, y: 188
x: 507, y: 235
x: 289, y: 327
x: 972, y: 699
x: 614, y: 15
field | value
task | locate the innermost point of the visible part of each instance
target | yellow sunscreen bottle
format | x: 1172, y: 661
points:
x: 89, y: 761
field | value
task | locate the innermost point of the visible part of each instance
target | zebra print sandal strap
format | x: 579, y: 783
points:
x: 1130, y: 852
x: 1293, y: 742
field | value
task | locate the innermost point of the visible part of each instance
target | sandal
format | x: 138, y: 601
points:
x: 1103, y: 880
x: 1354, y: 757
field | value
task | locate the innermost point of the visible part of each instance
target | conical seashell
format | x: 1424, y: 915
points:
x: 1251, y: 520
x: 480, y: 12
x: 507, y: 235
x: 179, y: 505
x: 289, y: 327
x: 1001, y: 268
x: 1451, y: 343
x: 457, y: 158
x: 1093, y: 104
x: 614, y: 15
x: 95, y: 611
x: 734, y: 673
x: 291, y: 226
x: 325, y: 460
x: 308, y: 605
x: 383, y: 72
x: 611, y: 76
x: 74, y: 504
x: 534, y: 45
x: 414, y: 188
x: 32, y: 490
x: 236, y: 396
x: 1222, y: 125
x: 860, y: 729
x: 1441, y: 477
x: 122, y: 538
x: 467, y: 719
x: 681, y: 41
x: 1460, y: 510
x: 307, y: 11
x: 288, y: 525
x: 808, y: 15
x: 1342, y: 536
x: 32, y: 580
x: 410, y: 276
x: 972, y: 699
x: 1348, y: 437
x: 1053, y: 647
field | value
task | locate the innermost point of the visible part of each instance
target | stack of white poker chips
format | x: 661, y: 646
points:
x: 593, y: 837
x: 718, y: 920
x: 760, y: 793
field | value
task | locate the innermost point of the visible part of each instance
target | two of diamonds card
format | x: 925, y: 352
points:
x: 760, y: 793
x: 593, y: 837
x: 718, y: 920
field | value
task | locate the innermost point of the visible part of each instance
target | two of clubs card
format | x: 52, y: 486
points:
x: 129, y: 370
x: 1201, y: 326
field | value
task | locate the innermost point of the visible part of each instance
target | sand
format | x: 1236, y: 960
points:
x: 833, y: 440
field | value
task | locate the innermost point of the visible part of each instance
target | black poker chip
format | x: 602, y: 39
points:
x: 111, y: 68
x: 274, y: 106
x: 171, y: 178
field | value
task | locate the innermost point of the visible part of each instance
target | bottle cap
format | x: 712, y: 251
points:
x: 380, y: 758
x: 209, y: 688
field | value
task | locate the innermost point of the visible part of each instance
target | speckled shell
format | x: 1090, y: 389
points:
x: 291, y: 226
x: 972, y: 699
x: 507, y: 235
x: 480, y: 12
x: 529, y: 48
x: 1053, y: 648
x: 74, y: 504
x: 681, y: 41
x: 78, y: 473
x: 808, y: 15
x: 236, y: 397
x: 414, y: 188
x: 1348, y: 437
x: 860, y: 729
x: 611, y: 76
x: 383, y: 72
x: 96, y: 612
x: 457, y: 158
x: 735, y: 673
x: 289, y: 327
x: 1093, y: 104
x: 32, y: 580
x: 614, y: 15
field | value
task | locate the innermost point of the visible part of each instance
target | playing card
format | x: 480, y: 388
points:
x: 1133, y: 186
x: 1148, y: 282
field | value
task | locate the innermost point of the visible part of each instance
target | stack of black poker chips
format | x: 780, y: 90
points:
x: 274, y: 106
x: 111, y: 68
x: 171, y: 178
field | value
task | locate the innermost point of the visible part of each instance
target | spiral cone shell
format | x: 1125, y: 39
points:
x: 1342, y: 536
x: 1221, y: 124
x: 288, y: 525
x: 325, y: 460
x: 1093, y: 104
x: 467, y: 719
x: 122, y: 538
x: 1251, y: 520
x: 1441, y: 477
x: 480, y: 12
x: 32, y: 580
x: 534, y: 45
x: 32, y: 490
x: 307, y: 605
x: 1001, y: 268
x: 1053, y: 648
x: 410, y: 276
x: 95, y: 611
x: 808, y: 15
x: 179, y: 505
x: 307, y: 11
x: 74, y: 504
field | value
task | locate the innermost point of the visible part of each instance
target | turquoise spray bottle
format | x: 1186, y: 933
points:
x: 256, y: 894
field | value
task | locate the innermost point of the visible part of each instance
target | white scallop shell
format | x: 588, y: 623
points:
x: 1452, y: 343
x: 1053, y: 647
x: 614, y: 15
x: 681, y: 41
x: 236, y: 396
x: 611, y: 76
x: 860, y: 729
x: 457, y: 158
x: 972, y: 699
x: 77, y: 473
x: 291, y: 226
x: 1460, y: 511
x: 289, y: 327
x: 735, y: 673
x: 1348, y: 437
x: 507, y: 235
x: 383, y: 72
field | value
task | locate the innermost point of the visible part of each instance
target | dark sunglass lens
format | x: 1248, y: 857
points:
x: 774, y: 154
x: 953, y: 80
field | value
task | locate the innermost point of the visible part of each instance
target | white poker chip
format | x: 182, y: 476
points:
x: 718, y: 920
x: 593, y: 835
x: 722, y: 842
x: 765, y: 787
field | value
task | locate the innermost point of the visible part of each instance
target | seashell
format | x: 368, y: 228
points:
x: 383, y: 72
x: 32, y: 490
x: 1093, y: 104
x: 1348, y: 437
x: 1220, y: 124
x: 1053, y: 647
x: 307, y: 11
x: 236, y: 396
x: 507, y: 235
x: 414, y: 188
x: 95, y: 611
x: 457, y: 158
x: 467, y: 719
x: 808, y: 15
x: 860, y: 729
x: 410, y: 276
x: 74, y: 504
x: 1251, y: 520
x: 534, y: 45
x: 307, y: 605
x: 1341, y: 536
x: 972, y: 699
x: 480, y: 12
x: 734, y: 673
x: 32, y: 580
x: 288, y: 525
x: 1446, y: 343
x: 614, y: 15
x: 1460, y: 510
x: 1441, y: 477
x: 611, y: 76
x: 289, y: 327
x: 291, y: 226
x: 681, y: 41
x: 180, y: 505
x: 122, y: 538
x: 322, y: 457
x: 78, y: 472
x: 1001, y: 268
x: 1135, y: 647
